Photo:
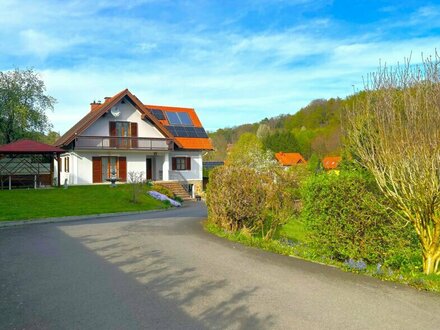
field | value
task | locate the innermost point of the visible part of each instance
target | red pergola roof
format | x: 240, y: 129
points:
x: 29, y: 147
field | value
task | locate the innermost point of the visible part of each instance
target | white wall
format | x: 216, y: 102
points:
x: 81, y: 165
x: 196, y: 172
x: 128, y: 113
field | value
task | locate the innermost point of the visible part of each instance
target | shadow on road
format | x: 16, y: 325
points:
x: 183, y: 289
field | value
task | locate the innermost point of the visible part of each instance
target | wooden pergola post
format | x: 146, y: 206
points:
x: 59, y: 170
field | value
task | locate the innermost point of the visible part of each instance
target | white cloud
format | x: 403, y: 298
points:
x: 230, y: 76
x: 41, y: 45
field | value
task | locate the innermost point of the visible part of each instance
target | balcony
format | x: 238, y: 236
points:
x: 123, y: 143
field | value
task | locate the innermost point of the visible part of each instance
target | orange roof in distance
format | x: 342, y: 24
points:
x: 290, y: 158
x: 330, y: 163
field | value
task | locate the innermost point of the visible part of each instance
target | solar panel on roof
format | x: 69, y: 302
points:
x: 200, y: 132
x: 173, y: 118
x: 158, y: 114
x: 179, y: 118
x: 185, y: 131
x: 181, y: 131
x: 184, y: 118
x: 191, y: 131
x: 171, y: 129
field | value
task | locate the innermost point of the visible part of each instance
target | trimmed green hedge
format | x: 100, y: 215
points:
x: 347, y: 218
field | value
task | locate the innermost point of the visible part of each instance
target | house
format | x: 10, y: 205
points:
x: 123, y: 135
x: 290, y: 158
x: 331, y: 163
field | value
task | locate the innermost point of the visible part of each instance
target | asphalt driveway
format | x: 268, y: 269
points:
x: 162, y: 271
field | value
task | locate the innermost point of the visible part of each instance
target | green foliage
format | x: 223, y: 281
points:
x: 236, y: 198
x: 314, y: 164
x: 284, y: 141
x: 256, y: 196
x: 163, y: 190
x: 347, y: 218
x: 23, y: 104
x: 249, y: 152
x: 316, y: 128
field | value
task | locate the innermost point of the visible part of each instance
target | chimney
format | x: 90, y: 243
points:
x: 106, y: 98
x: 94, y: 105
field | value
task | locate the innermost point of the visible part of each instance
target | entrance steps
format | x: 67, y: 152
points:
x: 176, y: 188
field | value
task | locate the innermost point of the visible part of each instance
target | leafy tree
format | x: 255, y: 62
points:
x: 281, y: 141
x: 314, y: 163
x: 23, y: 104
x: 249, y: 152
x: 263, y: 131
x: 393, y: 130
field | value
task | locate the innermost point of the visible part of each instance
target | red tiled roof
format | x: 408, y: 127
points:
x: 290, y: 158
x: 195, y: 143
x: 331, y: 163
x: 28, y: 147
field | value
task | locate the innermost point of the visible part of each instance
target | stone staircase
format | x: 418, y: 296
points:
x: 176, y: 188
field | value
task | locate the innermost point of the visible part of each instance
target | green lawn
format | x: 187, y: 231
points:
x: 79, y: 200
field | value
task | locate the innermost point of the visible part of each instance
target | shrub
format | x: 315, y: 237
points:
x: 135, y: 181
x: 235, y: 198
x: 163, y: 190
x: 348, y: 219
x: 243, y: 198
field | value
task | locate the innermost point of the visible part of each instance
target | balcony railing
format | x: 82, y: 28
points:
x: 127, y: 143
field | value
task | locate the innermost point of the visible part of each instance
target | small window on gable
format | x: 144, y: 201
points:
x: 67, y: 164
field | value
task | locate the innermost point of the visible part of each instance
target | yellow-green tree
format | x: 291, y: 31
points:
x: 393, y: 129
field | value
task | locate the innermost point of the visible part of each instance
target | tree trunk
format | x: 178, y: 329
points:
x: 431, y: 261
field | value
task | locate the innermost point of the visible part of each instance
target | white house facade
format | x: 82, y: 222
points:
x: 122, y: 135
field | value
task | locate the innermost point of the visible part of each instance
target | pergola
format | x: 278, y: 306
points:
x: 28, y: 163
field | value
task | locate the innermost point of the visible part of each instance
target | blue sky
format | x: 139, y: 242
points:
x: 234, y: 61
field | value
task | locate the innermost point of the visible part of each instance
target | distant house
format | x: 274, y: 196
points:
x: 290, y: 158
x: 331, y: 163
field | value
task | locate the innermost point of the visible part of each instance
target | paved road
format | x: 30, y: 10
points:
x: 162, y: 271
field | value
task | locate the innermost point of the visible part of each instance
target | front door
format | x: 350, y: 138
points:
x: 149, y: 169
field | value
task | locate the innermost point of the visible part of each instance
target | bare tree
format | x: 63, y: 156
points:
x: 393, y: 129
x: 135, y: 179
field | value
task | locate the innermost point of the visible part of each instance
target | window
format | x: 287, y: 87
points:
x: 66, y: 164
x: 105, y: 167
x: 122, y: 134
x: 181, y: 163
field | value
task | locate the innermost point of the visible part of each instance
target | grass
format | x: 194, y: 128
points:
x: 76, y: 200
x: 292, y: 240
x: 294, y: 230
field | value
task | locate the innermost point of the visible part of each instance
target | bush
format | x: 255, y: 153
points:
x: 163, y: 190
x: 242, y: 198
x: 235, y: 198
x: 348, y: 219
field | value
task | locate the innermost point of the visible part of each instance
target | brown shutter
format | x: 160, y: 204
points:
x: 134, y: 134
x: 188, y: 163
x: 97, y: 169
x: 123, y: 169
x: 112, y: 132
x: 173, y: 163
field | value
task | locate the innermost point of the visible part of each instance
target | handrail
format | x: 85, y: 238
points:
x: 175, y: 175
x: 123, y: 142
